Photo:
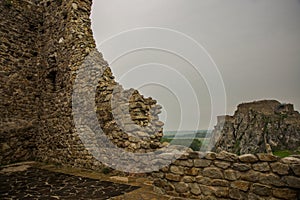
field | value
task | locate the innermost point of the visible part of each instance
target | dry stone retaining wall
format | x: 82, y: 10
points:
x: 227, y: 176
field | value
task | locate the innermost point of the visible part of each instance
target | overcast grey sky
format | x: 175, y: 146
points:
x: 255, y: 45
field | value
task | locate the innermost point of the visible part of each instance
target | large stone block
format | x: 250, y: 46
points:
x: 213, y: 172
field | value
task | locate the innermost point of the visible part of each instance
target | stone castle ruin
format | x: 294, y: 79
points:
x: 48, y: 108
x: 259, y: 127
x: 43, y: 46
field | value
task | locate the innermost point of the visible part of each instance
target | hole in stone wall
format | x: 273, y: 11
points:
x: 29, y: 77
x: 52, y: 77
x: 59, y: 2
x: 65, y: 15
x: 32, y: 27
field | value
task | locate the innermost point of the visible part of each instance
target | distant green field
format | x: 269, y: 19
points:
x: 187, y: 134
x: 192, y: 139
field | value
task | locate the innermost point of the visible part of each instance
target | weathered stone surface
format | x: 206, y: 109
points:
x: 213, y: 172
x: 195, y: 189
x: 296, y: 169
x: 240, y: 185
x: 226, y: 156
x: 251, y: 176
x: 241, y: 167
x: 211, y: 156
x: 173, y: 177
x: 280, y: 168
x: 245, y: 178
x: 293, y: 182
x: 181, y: 187
x: 231, y: 175
x: 290, y: 160
x: 196, y: 155
x: 260, y: 122
x: 267, y: 157
x: 191, y: 171
x: 207, y: 190
x: 261, y: 167
x: 248, y: 158
x: 46, y: 78
x: 177, y: 170
x: 219, y: 182
x: 285, y: 193
x: 262, y: 190
x: 35, y: 183
x: 271, y: 179
x: 188, y: 179
x: 203, y: 180
x: 221, y: 192
x: 222, y: 164
x: 201, y: 163
x: 237, y: 194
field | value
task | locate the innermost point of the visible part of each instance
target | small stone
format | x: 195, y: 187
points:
x: 173, y: 177
x: 290, y: 160
x: 267, y: 157
x: 203, y: 180
x: 177, y: 170
x: 61, y: 40
x: 237, y: 194
x: 188, y: 179
x: 195, y: 189
x: 231, y: 175
x: 213, y: 172
x: 262, y: 190
x: 181, y: 187
x: 241, y: 185
x: 280, y: 168
x: 252, y: 196
x: 219, y: 182
x: 192, y: 171
x: 241, y: 167
x: 284, y: 193
x: 223, y: 155
x: 196, y: 155
x: 293, y: 182
x: 207, y: 190
x: 222, y: 164
x: 221, y: 191
x: 74, y: 6
x: 201, y: 163
x: 248, y: 158
x: 271, y: 179
x: 262, y: 167
x: 296, y: 169
x: 211, y: 156
x: 251, y: 176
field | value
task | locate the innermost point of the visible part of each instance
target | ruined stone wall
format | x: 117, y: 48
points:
x: 227, y: 176
x: 18, y: 79
x: 45, y: 46
x: 259, y: 127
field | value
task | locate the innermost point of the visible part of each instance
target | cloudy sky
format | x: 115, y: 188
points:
x: 185, y: 52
